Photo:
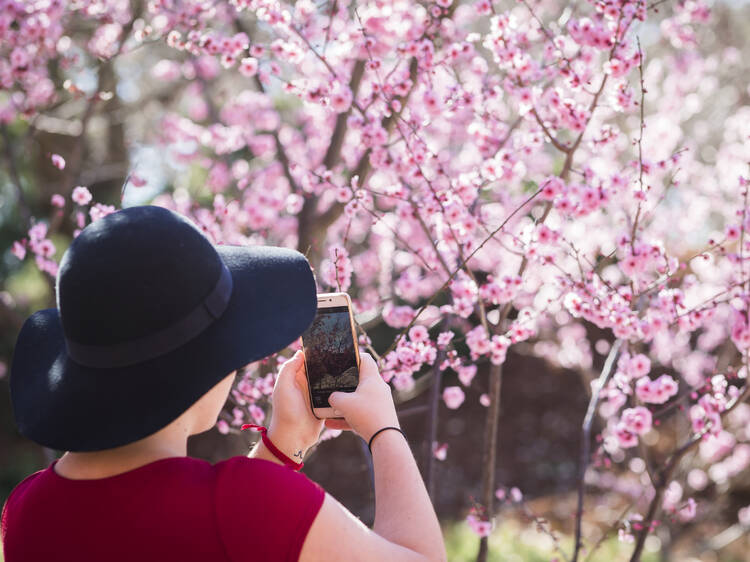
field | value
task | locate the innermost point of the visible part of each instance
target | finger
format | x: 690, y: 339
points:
x: 289, y: 369
x: 300, y: 381
x: 295, y: 361
x: 300, y: 378
x: 338, y: 424
x: 367, y: 366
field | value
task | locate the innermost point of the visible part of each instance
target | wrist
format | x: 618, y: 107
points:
x: 287, y: 442
x: 382, y: 434
x: 374, y: 429
x: 266, y: 449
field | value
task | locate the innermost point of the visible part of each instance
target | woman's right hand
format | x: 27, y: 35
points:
x: 367, y: 409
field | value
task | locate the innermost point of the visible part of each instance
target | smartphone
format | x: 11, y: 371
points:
x: 331, y: 352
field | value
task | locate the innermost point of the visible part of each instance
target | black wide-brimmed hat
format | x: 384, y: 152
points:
x: 150, y: 316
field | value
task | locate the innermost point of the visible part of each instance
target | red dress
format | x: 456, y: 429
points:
x: 178, y: 508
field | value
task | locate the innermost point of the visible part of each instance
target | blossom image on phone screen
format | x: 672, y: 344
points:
x: 329, y: 354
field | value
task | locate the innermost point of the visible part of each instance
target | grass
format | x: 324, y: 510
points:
x: 513, y: 542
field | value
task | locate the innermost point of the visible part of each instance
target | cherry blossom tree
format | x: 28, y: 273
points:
x: 483, y: 178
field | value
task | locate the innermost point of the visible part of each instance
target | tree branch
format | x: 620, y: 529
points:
x: 588, y: 420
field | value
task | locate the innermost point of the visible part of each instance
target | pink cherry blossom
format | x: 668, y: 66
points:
x: 18, y: 250
x: 137, y: 181
x: 444, y: 338
x: 637, y: 420
x: 478, y: 342
x: 257, y: 414
x: 687, y: 511
x: 638, y: 366
x: 249, y: 66
x: 740, y: 332
x: 483, y: 7
x: 58, y: 161
x: 625, y: 437
x: 397, y: 316
x: 57, y: 200
x: 479, y: 526
x: 672, y: 496
x: 656, y: 391
x: 337, y: 270
x: 222, y: 426
x: 81, y: 195
x: 440, y: 451
x: 341, y: 99
x: 466, y: 373
x: 697, y: 479
x: 99, y: 210
x: 453, y: 396
x: 38, y: 232
x: 418, y: 334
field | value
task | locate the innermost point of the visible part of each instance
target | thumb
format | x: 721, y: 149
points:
x: 341, y: 400
x: 294, y: 362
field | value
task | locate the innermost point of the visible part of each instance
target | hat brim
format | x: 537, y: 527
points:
x: 69, y: 407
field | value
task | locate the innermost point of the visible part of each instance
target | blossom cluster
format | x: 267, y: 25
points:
x: 410, y: 355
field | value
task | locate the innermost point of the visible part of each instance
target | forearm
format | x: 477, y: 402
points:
x: 403, y: 511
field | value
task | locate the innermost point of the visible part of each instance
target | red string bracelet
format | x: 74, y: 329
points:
x: 271, y: 447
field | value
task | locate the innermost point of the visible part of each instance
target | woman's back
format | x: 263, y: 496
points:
x: 177, y: 508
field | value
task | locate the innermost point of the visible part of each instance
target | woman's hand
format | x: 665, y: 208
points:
x: 370, y: 407
x: 293, y: 428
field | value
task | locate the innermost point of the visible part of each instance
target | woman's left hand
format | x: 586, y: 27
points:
x: 293, y: 427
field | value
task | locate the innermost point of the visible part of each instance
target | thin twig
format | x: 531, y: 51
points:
x: 457, y: 269
x: 586, y: 438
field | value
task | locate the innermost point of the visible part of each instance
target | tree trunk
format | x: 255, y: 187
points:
x: 489, y: 452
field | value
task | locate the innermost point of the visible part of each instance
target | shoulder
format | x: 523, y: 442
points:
x: 261, y: 500
x: 23, y: 486
x: 15, y: 495
x: 265, y: 482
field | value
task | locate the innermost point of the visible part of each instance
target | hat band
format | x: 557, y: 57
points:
x: 161, y: 342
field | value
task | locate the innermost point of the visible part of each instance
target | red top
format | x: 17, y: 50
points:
x: 177, y: 508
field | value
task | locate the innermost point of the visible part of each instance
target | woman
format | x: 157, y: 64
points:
x: 151, y: 325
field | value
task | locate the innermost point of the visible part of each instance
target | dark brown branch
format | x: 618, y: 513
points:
x: 432, y: 424
x: 311, y: 227
x: 556, y: 143
x: 663, y: 476
x: 280, y: 151
x: 489, y: 453
x: 333, y: 153
x: 489, y: 449
x: 363, y: 167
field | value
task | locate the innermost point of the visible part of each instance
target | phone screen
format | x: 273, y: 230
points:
x: 329, y: 354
